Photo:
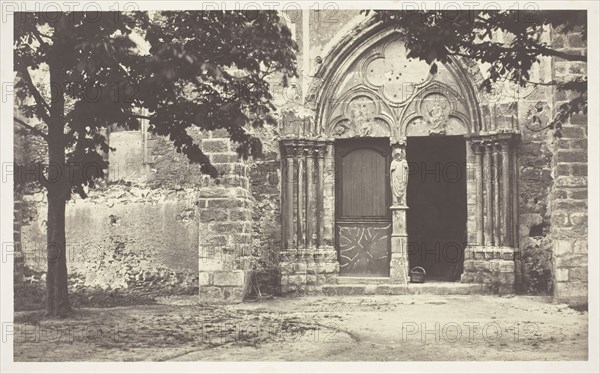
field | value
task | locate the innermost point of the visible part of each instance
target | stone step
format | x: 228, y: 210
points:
x: 432, y: 288
x: 363, y: 280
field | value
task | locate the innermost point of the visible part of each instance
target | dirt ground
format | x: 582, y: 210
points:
x: 352, y: 328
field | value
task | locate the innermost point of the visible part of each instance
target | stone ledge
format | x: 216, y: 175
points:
x: 435, y: 288
x: 363, y: 280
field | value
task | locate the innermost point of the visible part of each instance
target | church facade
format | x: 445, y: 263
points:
x: 380, y: 165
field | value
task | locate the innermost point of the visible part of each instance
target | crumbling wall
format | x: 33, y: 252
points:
x: 265, y: 179
x: 129, y: 236
x: 156, y: 226
x: 535, y: 182
x: 131, y: 239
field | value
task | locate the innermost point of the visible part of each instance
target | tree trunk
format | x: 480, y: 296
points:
x: 57, y: 295
x: 57, y: 184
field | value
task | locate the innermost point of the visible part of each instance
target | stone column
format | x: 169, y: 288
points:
x: 492, y: 263
x: 515, y: 197
x: 496, y: 182
x: 479, y: 184
x: 320, y: 186
x: 300, y: 202
x: 399, y: 257
x: 289, y: 196
x: 487, y: 172
x: 310, y: 195
x: 506, y: 229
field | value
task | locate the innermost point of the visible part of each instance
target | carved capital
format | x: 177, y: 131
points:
x: 477, y: 146
x: 398, y: 141
x: 299, y: 148
x: 498, y: 140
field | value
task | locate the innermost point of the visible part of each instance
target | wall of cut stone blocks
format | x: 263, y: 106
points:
x: 265, y: 185
x: 569, y: 206
x: 570, y: 211
x: 161, y: 227
x: 305, y: 272
x: 225, y: 224
x: 494, y: 268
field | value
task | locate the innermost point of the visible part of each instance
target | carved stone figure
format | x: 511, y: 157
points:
x: 437, y: 118
x: 398, y: 177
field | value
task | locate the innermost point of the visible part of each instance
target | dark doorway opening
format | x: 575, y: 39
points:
x: 437, y: 201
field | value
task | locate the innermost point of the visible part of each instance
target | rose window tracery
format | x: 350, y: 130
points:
x: 396, y: 75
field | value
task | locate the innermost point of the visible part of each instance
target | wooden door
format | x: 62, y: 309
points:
x: 363, y: 199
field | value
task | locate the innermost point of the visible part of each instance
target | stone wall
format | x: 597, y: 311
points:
x: 124, y: 238
x: 265, y: 179
x: 569, y: 217
x: 551, y: 181
x: 225, y: 217
x: 534, y: 260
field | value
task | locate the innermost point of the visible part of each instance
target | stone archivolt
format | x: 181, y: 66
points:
x: 386, y: 94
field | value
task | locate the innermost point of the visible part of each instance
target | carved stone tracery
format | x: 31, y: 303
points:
x: 362, y: 117
x: 392, y: 93
x: 395, y: 76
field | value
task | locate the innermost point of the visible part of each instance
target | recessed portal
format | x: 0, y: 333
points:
x: 437, y: 201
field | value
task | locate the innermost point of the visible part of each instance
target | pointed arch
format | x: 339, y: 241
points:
x: 361, y: 42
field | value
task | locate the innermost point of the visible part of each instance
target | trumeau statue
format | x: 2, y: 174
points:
x: 399, y: 177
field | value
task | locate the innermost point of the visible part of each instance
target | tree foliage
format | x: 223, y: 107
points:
x: 185, y: 69
x: 204, y: 69
x: 438, y: 35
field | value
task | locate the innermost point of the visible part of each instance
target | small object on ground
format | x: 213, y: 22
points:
x: 417, y: 275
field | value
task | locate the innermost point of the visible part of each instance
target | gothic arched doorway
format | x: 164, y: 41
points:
x: 371, y: 90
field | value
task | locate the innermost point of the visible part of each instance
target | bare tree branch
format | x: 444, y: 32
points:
x: 38, y: 36
x: 547, y: 84
x: 569, y: 57
x: 36, y: 94
x: 31, y: 128
x: 139, y: 116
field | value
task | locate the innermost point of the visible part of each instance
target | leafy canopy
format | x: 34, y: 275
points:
x: 201, y: 69
x: 437, y: 35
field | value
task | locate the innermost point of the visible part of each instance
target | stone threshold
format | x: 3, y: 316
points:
x: 428, y: 288
x: 362, y: 280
